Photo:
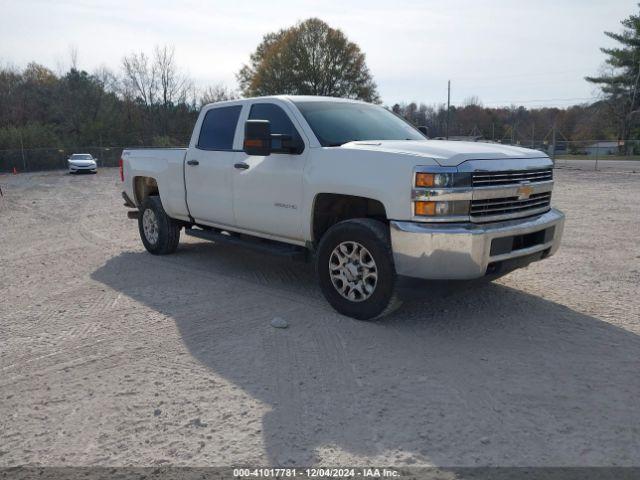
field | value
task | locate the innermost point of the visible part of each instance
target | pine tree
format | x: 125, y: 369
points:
x: 621, y: 85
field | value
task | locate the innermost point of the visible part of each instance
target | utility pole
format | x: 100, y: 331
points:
x: 553, y: 142
x: 448, y: 106
x: 24, y: 161
x: 533, y: 135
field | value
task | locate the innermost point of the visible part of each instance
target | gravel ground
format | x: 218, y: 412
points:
x: 111, y: 356
x: 603, y: 164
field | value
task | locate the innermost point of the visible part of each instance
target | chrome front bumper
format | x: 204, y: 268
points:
x: 463, y: 251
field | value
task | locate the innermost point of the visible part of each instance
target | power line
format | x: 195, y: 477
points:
x: 569, y: 99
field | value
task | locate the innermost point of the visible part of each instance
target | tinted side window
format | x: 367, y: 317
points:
x: 218, y: 128
x: 280, y: 121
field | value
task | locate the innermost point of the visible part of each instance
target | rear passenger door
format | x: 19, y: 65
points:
x: 267, y: 190
x: 209, y: 167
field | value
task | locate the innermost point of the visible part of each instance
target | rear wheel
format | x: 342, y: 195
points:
x: 355, y: 269
x: 160, y: 234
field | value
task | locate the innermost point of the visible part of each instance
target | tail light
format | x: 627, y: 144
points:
x: 121, y: 164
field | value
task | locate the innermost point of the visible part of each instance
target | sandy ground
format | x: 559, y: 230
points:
x: 111, y: 356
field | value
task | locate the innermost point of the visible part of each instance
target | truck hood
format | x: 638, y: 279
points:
x: 446, y: 153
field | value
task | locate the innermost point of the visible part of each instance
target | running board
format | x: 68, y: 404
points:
x: 254, y: 243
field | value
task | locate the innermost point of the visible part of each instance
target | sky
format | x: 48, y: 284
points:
x: 532, y: 53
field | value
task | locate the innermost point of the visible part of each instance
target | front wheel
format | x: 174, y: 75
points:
x: 160, y: 234
x: 355, y: 269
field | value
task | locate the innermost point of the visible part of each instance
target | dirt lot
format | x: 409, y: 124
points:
x: 603, y: 164
x: 112, y: 356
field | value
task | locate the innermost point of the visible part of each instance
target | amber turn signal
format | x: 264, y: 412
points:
x: 425, y: 208
x: 252, y: 142
x: 425, y: 180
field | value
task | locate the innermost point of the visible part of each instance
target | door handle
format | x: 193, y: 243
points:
x: 193, y: 162
x: 241, y: 166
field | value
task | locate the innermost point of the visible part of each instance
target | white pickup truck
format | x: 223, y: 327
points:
x: 350, y: 185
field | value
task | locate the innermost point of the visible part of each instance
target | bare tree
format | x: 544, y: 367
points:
x: 140, y: 78
x: 217, y: 93
x: 173, y: 86
x: 73, y: 57
x: 107, y: 78
x: 155, y: 80
x: 472, y: 101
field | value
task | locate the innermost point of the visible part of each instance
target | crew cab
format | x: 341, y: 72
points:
x: 350, y: 186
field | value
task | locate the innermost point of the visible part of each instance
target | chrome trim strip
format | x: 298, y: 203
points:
x: 481, y: 193
x: 508, y: 204
x: 441, y: 194
x: 478, y: 193
x: 434, y: 169
x: 501, y: 165
x: 441, y: 219
x: 484, y: 176
x: 509, y: 216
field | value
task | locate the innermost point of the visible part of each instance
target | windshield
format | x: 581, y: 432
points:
x: 81, y: 156
x: 335, y: 123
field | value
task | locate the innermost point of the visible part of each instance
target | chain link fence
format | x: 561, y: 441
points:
x: 584, y: 154
x: 39, y: 159
x: 597, y: 154
x: 591, y: 154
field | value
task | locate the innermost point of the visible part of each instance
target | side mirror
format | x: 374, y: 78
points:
x: 257, y: 137
x: 424, y: 130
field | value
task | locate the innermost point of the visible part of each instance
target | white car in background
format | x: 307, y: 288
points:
x: 82, y: 162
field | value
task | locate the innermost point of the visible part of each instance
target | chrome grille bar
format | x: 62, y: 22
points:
x: 509, y: 207
x: 487, y: 179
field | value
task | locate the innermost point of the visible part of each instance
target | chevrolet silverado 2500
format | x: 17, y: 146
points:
x: 350, y: 185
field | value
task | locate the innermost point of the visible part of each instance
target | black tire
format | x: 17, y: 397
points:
x: 374, y: 237
x: 168, y: 230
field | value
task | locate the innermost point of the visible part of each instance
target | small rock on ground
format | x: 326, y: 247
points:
x: 278, y: 322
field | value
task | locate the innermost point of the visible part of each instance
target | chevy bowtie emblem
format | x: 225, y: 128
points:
x: 524, y: 192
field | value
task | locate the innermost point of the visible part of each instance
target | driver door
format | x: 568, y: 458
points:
x: 267, y: 190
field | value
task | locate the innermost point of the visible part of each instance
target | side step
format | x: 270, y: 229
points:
x: 257, y: 244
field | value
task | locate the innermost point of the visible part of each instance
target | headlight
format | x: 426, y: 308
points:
x: 436, y: 180
x: 442, y: 179
x: 441, y: 194
x: 441, y: 209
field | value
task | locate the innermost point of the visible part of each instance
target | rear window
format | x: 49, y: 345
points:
x: 218, y: 128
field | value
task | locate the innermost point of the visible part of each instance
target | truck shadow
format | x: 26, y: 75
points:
x: 483, y: 375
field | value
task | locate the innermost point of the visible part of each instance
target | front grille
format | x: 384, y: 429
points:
x: 492, y: 179
x: 510, y: 207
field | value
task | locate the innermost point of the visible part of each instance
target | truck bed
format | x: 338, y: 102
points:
x: 166, y: 166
